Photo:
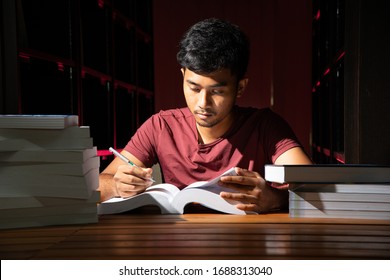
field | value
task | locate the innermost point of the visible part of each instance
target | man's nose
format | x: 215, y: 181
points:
x: 204, y: 98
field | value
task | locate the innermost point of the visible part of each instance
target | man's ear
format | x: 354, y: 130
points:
x: 183, y: 70
x: 242, y: 84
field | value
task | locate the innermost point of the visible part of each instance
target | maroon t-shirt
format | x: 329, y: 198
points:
x: 258, y: 137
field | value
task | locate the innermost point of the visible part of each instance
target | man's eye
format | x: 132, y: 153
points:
x: 216, y: 91
x: 195, y: 89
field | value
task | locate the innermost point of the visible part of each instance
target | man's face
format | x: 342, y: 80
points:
x: 211, y: 98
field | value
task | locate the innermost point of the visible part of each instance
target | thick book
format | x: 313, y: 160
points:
x: 10, y: 170
x: 324, y: 205
x: 328, y: 173
x: 87, y: 217
x: 72, y: 137
x: 172, y: 200
x: 342, y: 188
x: 341, y: 214
x: 53, y: 185
x: 17, y: 144
x: 27, y: 201
x: 38, y: 121
x: 339, y: 196
x: 44, y: 156
x: 67, y: 132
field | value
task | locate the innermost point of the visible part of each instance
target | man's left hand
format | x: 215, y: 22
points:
x: 253, y: 193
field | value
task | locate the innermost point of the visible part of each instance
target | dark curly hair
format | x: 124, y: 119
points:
x: 214, y: 44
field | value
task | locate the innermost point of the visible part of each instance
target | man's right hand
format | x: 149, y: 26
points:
x: 132, y: 180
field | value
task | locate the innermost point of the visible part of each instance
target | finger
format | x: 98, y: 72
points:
x: 235, y: 187
x: 243, y: 181
x: 249, y: 208
x: 247, y: 173
x: 125, y: 190
x: 243, y: 177
x: 245, y: 202
x: 128, y: 179
x: 136, y: 171
x: 240, y: 197
x: 141, y: 173
x: 127, y: 184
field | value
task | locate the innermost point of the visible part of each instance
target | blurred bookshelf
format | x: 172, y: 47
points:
x: 91, y: 58
x: 328, y: 81
x: 350, y: 82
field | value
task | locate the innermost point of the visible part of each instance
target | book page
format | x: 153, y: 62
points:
x: 207, y: 198
x: 212, y: 185
x: 168, y: 189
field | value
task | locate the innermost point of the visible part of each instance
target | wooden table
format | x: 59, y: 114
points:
x: 201, y: 236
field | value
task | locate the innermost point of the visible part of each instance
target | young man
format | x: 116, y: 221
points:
x: 211, y: 134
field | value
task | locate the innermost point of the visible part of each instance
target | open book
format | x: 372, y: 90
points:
x: 171, y: 200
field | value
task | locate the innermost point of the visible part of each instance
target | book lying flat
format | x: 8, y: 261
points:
x: 341, y: 197
x: 29, y: 211
x: 44, y: 156
x: 339, y: 205
x: 17, y: 169
x: 344, y: 214
x: 55, y: 185
x: 82, y: 208
x: 87, y: 217
x: 72, y: 137
x: 328, y: 173
x: 26, y: 201
x: 67, y: 132
x: 171, y: 200
x: 342, y: 188
x: 18, y: 144
x: 38, y: 121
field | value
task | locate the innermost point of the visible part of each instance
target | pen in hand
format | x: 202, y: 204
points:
x: 125, y: 159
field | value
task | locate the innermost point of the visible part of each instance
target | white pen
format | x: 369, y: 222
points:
x: 125, y: 159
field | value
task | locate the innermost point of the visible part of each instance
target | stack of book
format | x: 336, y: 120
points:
x: 335, y: 191
x: 49, y: 171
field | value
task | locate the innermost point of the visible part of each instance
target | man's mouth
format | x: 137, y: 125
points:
x: 203, y: 115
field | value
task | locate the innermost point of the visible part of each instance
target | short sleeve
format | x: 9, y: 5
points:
x: 142, y: 144
x: 278, y: 136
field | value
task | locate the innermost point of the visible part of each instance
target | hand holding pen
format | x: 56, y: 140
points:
x: 125, y: 159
